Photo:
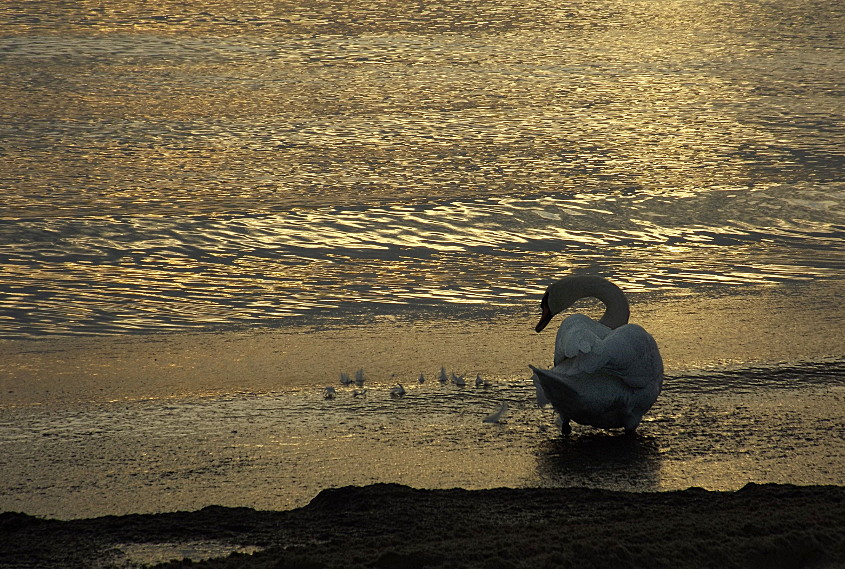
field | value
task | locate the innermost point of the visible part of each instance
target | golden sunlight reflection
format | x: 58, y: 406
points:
x: 478, y: 252
x: 230, y: 163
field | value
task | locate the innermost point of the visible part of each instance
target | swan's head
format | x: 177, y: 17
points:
x: 546, y: 315
x: 556, y: 299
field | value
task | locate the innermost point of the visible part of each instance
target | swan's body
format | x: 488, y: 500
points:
x: 607, y: 374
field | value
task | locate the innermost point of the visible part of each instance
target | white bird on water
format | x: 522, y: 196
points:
x: 606, y: 374
x: 481, y: 382
x: 397, y: 391
x: 442, y: 378
x: 359, y: 377
x: 497, y: 415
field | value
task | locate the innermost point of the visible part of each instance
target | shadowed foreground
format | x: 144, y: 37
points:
x: 386, y: 526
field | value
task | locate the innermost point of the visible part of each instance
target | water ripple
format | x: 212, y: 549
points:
x: 117, y: 274
x: 220, y: 163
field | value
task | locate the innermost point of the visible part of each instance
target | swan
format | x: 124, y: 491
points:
x: 606, y: 374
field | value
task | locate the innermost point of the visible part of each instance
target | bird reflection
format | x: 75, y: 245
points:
x: 603, y: 460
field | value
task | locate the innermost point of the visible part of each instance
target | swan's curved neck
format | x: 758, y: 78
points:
x: 565, y: 292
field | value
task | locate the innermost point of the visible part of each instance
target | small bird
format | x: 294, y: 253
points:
x: 329, y: 392
x: 359, y: 377
x: 359, y: 393
x: 421, y: 379
x: 458, y: 380
x: 443, y: 379
x: 496, y: 416
x: 397, y: 391
x: 344, y: 378
x: 481, y: 382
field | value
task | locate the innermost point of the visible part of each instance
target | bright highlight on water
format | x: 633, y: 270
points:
x: 166, y: 171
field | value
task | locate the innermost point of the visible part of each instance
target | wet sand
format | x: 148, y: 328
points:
x: 277, y: 451
x: 384, y: 526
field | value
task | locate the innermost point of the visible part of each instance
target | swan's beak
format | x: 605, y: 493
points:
x: 546, y: 317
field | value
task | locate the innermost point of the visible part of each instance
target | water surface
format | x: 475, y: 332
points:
x: 192, y: 166
x: 278, y: 450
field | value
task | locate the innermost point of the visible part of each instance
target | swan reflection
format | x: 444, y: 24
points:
x: 602, y: 460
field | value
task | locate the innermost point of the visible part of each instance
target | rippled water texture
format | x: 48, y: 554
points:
x: 196, y: 164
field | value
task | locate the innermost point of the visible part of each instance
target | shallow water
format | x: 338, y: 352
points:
x: 123, y: 274
x: 717, y: 430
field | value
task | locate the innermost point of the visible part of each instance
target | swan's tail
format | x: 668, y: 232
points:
x: 554, y: 389
x: 542, y: 400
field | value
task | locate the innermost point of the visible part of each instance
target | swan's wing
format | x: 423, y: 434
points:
x: 583, y: 346
x: 630, y: 353
x: 578, y: 336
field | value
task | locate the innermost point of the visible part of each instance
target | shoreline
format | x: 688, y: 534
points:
x: 389, y: 525
x: 769, y: 325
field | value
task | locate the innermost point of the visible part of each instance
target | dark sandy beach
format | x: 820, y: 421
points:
x: 392, y: 526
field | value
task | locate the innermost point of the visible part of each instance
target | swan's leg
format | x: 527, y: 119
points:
x: 562, y: 422
x: 631, y: 424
